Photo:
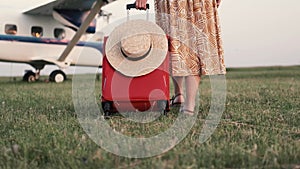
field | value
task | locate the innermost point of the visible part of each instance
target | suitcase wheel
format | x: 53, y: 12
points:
x: 107, y: 107
x: 163, y: 106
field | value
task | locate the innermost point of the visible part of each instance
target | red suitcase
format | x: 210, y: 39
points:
x: 148, y: 92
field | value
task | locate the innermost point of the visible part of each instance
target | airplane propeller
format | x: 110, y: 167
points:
x: 93, y: 12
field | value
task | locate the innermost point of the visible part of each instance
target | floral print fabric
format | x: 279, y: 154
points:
x: 194, y: 32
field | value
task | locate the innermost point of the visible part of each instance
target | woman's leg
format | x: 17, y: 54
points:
x: 191, y: 85
x: 178, y: 89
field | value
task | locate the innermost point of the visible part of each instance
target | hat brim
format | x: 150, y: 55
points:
x: 153, y: 60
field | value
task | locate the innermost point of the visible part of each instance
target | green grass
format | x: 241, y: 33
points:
x: 260, y: 127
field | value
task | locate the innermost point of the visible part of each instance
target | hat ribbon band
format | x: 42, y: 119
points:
x: 136, y: 58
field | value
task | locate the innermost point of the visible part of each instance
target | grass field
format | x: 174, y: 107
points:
x: 260, y: 127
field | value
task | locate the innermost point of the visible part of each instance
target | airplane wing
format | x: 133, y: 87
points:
x: 47, y: 9
x: 70, y: 13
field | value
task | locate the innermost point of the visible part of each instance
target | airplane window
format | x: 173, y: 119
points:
x: 59, y: 33
x: 11, y: 29
x: 37, y: 31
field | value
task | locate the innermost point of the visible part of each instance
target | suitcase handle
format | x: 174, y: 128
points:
x: 130, y: 6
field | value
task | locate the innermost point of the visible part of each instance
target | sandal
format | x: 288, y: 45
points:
x: 173, y: 103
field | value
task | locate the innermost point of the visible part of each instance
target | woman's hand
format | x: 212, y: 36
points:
x: 140, y: 4
x: 218, y: 3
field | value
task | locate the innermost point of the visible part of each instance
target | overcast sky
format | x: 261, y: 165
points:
x: 261, y: 32
x: 255, y: 32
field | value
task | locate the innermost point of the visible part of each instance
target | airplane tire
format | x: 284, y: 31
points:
x: 57, y: 76
x: 29, y: 77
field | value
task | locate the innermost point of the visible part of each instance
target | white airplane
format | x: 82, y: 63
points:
x: 51, y: 33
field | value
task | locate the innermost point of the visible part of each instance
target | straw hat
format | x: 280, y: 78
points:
x: 136, y: 47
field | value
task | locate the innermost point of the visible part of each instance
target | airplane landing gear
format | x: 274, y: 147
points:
x: 30, y: 76
x: 57, y: 76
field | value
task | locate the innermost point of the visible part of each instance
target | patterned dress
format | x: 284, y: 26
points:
x: 194, y: 30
